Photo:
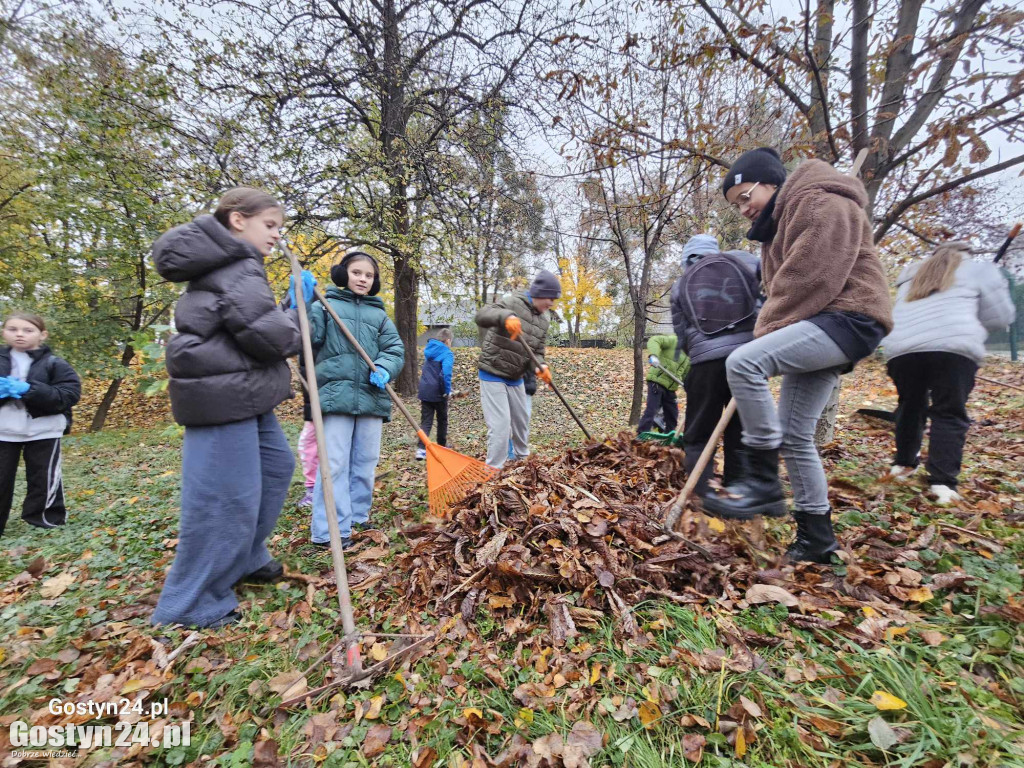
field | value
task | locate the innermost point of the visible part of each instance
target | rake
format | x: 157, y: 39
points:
x: 536, y: 364
x: 354, y: 670
x: 450, y: 475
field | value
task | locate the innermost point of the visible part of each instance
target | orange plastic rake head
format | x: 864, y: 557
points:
x: 451, y: 476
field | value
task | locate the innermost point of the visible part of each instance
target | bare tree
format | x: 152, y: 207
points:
x: 926, y: 88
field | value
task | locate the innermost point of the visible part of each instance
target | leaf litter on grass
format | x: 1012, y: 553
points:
x: 562, y: 542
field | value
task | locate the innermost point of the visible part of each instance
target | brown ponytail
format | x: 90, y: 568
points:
x: 938, y: 272
x: 247, y: 201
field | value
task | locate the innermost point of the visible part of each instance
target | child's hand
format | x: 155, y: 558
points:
x: 653, y: 360
x: 544, y: 374
x: 308, y: 283
x: 514, y: 327
x: 380, y: 378
x: 15, y: 387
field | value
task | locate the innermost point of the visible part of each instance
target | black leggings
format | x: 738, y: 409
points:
x: 44, y: 500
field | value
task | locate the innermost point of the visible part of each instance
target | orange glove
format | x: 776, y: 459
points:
x: 514, y: 327
x: 544, y: 374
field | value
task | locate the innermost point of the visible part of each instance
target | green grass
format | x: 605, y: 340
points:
x: 963, y: 697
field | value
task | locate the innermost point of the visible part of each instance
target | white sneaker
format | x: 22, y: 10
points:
x: 900, y: 474
x: 945, y: 495
x: 421, y: 453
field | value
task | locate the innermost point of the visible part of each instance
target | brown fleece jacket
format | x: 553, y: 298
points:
x: 822, y: 257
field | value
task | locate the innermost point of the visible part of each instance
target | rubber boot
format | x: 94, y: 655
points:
x: 758, y: 493
x: 815, y: 541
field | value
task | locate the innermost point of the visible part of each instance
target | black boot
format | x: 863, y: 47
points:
x: 270, y: 573
x: 815, y: 541
x: 758, y: 493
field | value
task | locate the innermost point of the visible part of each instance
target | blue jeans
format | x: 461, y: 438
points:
x: 809, y: 363
x: 353, y: 450
x: 234, y: 480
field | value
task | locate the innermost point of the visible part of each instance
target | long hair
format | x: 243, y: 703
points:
x: 939, y: 271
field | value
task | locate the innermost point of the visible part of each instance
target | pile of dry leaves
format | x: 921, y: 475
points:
x: 567, y: 540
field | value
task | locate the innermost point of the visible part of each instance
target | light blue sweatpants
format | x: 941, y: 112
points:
x: 353, y: 449
x: 234, y: 480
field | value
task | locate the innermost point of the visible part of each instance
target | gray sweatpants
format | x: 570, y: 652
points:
x: 234, y: 480
x: 809, y: 363
x: 507, y: 413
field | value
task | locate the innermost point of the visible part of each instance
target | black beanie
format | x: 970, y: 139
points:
x: 545, y: 286
x: 339, y: 272
x: 762, y: 164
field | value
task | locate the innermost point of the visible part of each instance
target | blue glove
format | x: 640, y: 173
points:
x: 308, y: 283
x: 16, y: 387
x: 5, y: 387
x: 380, y: 377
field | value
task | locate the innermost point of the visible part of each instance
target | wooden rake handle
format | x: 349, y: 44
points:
x: 536, y: 364
x: 338, y: 557
x: 672, y: 519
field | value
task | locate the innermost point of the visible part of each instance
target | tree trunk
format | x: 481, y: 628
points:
x: 100, y: 417
x: 639, y: 326
x: 825, y: 431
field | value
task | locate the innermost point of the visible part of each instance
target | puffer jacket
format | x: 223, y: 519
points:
x: 823, y: 257
x: 436, y: 376
x: 501, y: 356
x: 54, y: 387
x: 342, y: 376
x: 700, y: 346
x: 227, y: 362
x: 956, y: 320
x: 664, y: 348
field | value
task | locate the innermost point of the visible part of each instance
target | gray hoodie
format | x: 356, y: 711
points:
x: 956, y: 320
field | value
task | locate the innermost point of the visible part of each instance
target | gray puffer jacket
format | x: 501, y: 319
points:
x: 701, y: 347
x: 227, y: 361
x: 956, y: 320
x: 500, y: 355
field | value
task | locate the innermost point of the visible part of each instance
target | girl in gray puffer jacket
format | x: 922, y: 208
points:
x: 228, y: 372
x: 945, y: 308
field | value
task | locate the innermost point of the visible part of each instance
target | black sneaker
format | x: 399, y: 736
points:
x: 230, y: 618
x: 271, y: 573
x: 363, y: 527
x: 346, y: 543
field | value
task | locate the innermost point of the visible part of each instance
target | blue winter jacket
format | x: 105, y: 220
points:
x: 436, y: 378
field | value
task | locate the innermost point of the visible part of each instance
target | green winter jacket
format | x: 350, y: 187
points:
x: 342, y: 376
x: 499, y: 354
x: 664, y: 348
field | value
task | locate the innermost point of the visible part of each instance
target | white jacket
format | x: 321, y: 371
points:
x: 956, y: 320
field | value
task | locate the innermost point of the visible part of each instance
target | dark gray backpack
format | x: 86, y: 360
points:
x: 719, y: 293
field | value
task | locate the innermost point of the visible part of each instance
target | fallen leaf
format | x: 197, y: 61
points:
x: 376, y: 703
x: 584, y: 741
x: 264, y: 754
x: 920, y: 595
x: 649, y: 714
x: 932, y: 637
x: 882, y: 735
x: 769, y: 593
x: 57, y: 585
x: 693, y: 746
x: 376, y: 739
x: 886, y: 701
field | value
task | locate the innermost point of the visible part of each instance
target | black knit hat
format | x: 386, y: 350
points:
x: 762, y: 164
x: 339, y: 272
x: 545, y: 286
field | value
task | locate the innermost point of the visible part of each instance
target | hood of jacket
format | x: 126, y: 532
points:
x: 817, y: 176
x: 436, y: 350
x: 198, y: 248
x: 344, y: 294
